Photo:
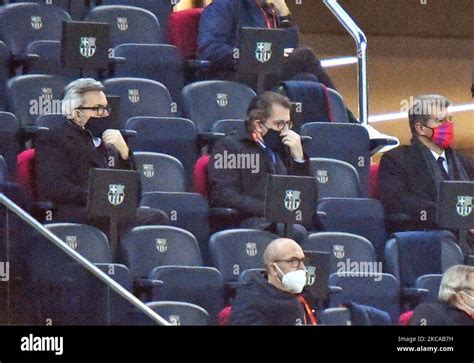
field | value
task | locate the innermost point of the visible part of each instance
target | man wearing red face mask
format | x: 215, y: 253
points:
x: 410, y: 176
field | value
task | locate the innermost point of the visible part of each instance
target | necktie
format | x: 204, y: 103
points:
x: 440, y: 162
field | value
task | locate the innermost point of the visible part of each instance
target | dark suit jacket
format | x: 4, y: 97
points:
x: 407, y: 186
x: 244, y: 188
x: 63, y: 159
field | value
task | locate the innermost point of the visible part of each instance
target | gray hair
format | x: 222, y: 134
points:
x: 424, y: 107
x: 455, y: 279
x: 74, y: 94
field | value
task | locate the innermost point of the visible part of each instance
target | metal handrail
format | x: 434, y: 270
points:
x: 8, y: 203
x: 361, y: 42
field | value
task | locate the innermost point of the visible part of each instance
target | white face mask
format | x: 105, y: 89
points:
x: 467, y: 305
x: 293, y: 281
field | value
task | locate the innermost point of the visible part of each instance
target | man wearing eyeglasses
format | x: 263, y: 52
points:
x: 410, y: 175
x: 65, y: 155
x: 268, y: 145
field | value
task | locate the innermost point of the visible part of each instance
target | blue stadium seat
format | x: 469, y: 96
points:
x: 45, y: 91
x: 431, y: 284
x: 9, y: 139
x: 247, y: 275
x: 77, y: 9
x: 181, y: 313
x: 173, y: 136
x: 202, y: 286
x: 341, y: 141
x: 4, y: 73
x: 140, y: 97
x: 360, y: 216
x: 128, y: 24
x: 21, y: 24
x: 343, y: 247
x: 160, y: 172
x: 236, y: 250
x: 159, y: 62
x: 335, y: 316
x: 89, y: 241
x: 147, y: 247
x: 207, y: 102
x: 53, y: 121
x: 335, y: 178
x: 228, y: 126
x: 4, y: 173
x: 379, y: 290
x: 119, y: 273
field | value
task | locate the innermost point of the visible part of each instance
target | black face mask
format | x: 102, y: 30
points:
x: 97, y: 125
x: 272, y: 140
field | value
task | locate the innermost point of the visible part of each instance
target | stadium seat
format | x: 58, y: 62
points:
x: 140, y: 97
x: 160, y: 172
x: 379, y: 290
x: 183, y: 28
x: 335, y: 316
x: 158, y: 62
x: 236, y: 250
x: 202, y: 286
x: 53, y: 121
x: 24, y: 92
x: 77, y: 9
x: 4, y: 173
x: 172, y: 136
x: 363, y: 217
x: 146, y: 247
x: 335, y: 178
x: 181, y: 313
x: 119, y: 273
x: 23, y: 23
x: 189, y: 211
x: 89, y: 241
x: 228, y: 126
x: 128, y: 24
x: 343, y: 247
x: 249, y: 274
x: 207, y: 102
x: 431, y: 284
x: 340, y: 141
x: 9, y: 140
x: 4, y: 73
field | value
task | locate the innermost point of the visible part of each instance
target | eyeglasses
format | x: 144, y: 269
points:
x: 281, y: 124
x: 294, y: 262
x: 99, y: 110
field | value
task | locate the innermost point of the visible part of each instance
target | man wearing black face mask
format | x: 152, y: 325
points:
x: 64, y: 156
x: 240, y: 162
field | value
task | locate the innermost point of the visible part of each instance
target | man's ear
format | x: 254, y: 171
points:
x: 257, y: 126
x: 420, y: 129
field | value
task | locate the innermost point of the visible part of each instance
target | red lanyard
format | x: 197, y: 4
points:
x: 309, y: 312
x: 267, y: 20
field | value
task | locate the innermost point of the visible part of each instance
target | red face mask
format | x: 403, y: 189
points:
x: 443, y: 135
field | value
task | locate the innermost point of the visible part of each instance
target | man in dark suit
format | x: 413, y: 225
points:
x: 65, y: 155
x: 410, y: 175
x: 240, y: 162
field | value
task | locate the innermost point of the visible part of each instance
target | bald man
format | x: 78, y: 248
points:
x: 275, y: 298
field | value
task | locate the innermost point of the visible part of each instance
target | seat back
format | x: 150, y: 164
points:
x: 9, y: 140
x: 160, y: 172
x: 183, y: 28
x: 4, y: 73
x: 207, y: 102
x: 119, y: 273
x: 147, y: 247
x: 36, y: 22
x: 339, y: 110
x: 430, y: 282
x: 4, y: 174
x: 335, y: 178
x: 128, y: 24
x: 228, y: 126
x: 180, y: 313
x: 77, y: 9
x: 335, y: 316
x: 89, y: 241
x: 237, y: 250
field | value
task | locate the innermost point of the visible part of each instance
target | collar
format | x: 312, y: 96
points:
x: 437, y: 156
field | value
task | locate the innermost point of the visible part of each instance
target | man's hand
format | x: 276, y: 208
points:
x: 113, y: 138
x: 280, y: 6
x: 293, y: 141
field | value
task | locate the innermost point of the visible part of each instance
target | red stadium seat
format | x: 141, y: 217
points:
x: 183, y: 27
x: 200, y: 176
x: 25, y: 171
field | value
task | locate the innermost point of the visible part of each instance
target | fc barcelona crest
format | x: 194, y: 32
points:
x: 251, y: 249
x: 122, y: 23
x: 116, y: 194
x: 322, y: 176
x: 292, y: 200
x: 174, y: 320
x: 338, y: 251
x: 36, y: 22
x: 148, y: 170
x: 161, y: 245
x: 47, y: 93
x: 87, y: 47
x: 464, y: 206
x: 222, y: 99
x: 263, y: 53
x: 71, y: 241
x: 133, y: 95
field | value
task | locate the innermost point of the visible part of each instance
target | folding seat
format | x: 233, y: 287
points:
x: 158, y: 62
x: 207, y: 102
x: 379, y: 290
x: 23, y: 23
x: 431, y: 284
x: 189, y: 211
x: 160, y: 172
x: 4, y: 73
x: 140, y: 97
x: 228, y: 126
x: 202, y: 286
x: 236, y: 250
x: 335, y: 178
x: 9, y: 140
x: 89, y: 241
x: 172, y: 136
x: 335, y: 316
x: 119, y: 273
x: 147, y: 247
x: 27, y: 91
x: 340, y: 141
x: 181, y: 313
x: 128, y: 24
x: 360, y: 216
x: 343, y: 247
